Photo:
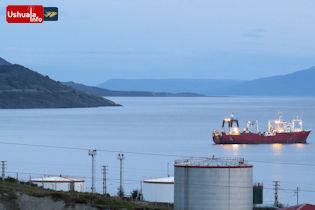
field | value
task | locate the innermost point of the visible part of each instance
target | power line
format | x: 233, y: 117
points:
x: 144, y: 153
x: 86, y: 149
x: 197, y: 184
x: 282, y: 163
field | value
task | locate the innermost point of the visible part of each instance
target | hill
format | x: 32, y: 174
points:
x: 199, y: 86
x: 300, y: 83
x: 4, y: 62
x: 23, y: 88
x: 16, y: 194
x: 105, y: 92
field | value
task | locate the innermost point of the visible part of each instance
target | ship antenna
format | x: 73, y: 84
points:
x: 280, y: 115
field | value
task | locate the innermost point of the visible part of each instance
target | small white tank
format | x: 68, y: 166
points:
x: 159, y: 190
x: 213, y: 183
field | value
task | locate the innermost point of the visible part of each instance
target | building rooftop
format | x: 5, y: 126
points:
x: 165, y: 180
x: 301, y: 207
x: 213, y: 163
x: 57, y: 179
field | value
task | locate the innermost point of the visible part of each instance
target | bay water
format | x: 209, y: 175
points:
x: 152, y: 132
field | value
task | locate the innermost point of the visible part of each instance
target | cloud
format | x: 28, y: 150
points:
x: 121, y: 52
x: 254, y: 33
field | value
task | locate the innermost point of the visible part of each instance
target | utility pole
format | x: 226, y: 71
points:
x: 276, y: 188
x: 92, y: 153
x: 121, y: 157
x: 140, y: 194
x: 104, y: 180
x: 297, y: 196
x: 168, y: 169
x: 3, y: 167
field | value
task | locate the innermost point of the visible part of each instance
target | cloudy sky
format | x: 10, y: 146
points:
x: 97, y: 40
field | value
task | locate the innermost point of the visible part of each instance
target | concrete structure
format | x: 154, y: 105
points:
x: 60, y: 183
x: 213, y: 183
x: 159, y: 190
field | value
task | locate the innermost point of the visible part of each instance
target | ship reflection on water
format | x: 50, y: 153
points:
x: 300, y: 145
x: 276, y: 148
x: 231, y: 146
x: 234, y: 148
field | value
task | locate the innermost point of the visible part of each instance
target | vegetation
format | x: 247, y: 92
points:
x: 9, y: 188
x: 23, y: 88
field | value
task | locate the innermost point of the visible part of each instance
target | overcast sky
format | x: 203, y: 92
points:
x: 97, y: 40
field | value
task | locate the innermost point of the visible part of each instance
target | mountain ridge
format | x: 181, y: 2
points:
x: 21, y: 87
x: 4, y: 62
x: 298, y: 83
x: 105, y: 92
x: 199, y: 86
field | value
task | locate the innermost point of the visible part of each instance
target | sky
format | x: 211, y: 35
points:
x: 97, y: 40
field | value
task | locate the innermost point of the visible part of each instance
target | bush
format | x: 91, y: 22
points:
x: 10, y: 179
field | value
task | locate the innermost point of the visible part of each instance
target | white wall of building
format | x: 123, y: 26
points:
x: 60, y: 183
x: 61, y: 186
x: 158, y: 192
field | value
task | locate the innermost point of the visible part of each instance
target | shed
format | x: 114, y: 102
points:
x: 60, y: 183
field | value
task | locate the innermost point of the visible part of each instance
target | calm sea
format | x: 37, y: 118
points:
x: 180, y: 126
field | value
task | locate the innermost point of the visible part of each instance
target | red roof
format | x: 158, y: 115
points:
x: 301, y: 207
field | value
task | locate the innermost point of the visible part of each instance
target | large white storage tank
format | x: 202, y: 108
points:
x: 160, y: 190
x: 60, y: 183
x: 213, y: 183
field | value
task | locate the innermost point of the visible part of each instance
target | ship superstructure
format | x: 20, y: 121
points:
x: 279, y: 131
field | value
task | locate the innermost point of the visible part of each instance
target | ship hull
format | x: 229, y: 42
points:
x: 254, y: 138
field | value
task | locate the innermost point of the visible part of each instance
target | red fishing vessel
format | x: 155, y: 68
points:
x: 278, y: 132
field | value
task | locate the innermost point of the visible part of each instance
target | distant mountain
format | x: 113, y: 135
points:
x: 300, y: 83
x: 4, y: 62
x: 105, y: 92
x: 23, y: 88
x: 200, y: 86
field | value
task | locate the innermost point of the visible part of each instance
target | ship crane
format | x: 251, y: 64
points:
x: 297, y: 122
x: 233, y: 125
x: 251, y: 124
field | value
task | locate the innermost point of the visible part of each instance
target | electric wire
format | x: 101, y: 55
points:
x: 144, y: 153
x: 196, y: 184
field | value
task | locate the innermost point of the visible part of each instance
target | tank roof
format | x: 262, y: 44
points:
x: 213, y: 163
x: 162, y: 180
x: 57, y: 179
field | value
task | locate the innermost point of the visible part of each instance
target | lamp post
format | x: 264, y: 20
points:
x: 92, y: 153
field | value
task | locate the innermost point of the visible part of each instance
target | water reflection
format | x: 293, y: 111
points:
x: 299, y: 145
x: 234, y: 148
x: 277, y: 149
